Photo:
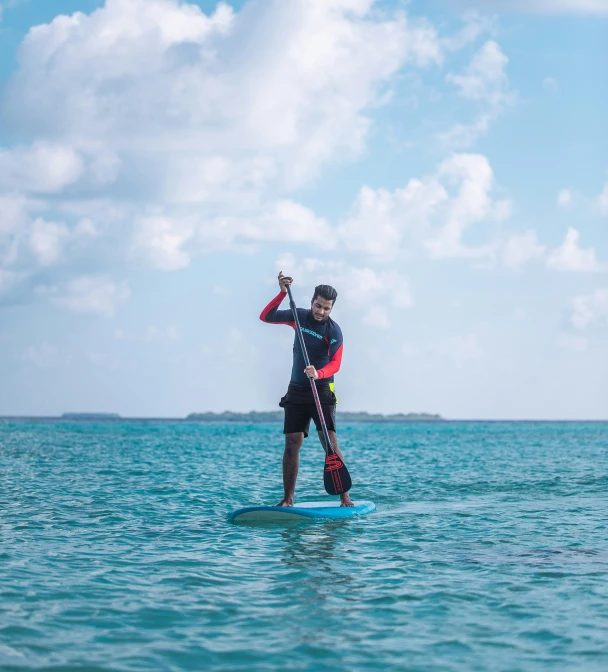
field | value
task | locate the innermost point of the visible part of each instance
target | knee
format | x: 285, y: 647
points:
x: 293, y: 442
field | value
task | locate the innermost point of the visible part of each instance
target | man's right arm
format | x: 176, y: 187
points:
x: 273, y: 315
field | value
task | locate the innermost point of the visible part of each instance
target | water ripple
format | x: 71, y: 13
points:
x: 488, y: 550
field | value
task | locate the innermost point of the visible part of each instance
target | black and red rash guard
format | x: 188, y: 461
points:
x: 323, y: 341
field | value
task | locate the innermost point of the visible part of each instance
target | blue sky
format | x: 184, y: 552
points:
x: 442, y: 164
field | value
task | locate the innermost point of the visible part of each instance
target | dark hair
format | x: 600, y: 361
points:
x: 326, y: 292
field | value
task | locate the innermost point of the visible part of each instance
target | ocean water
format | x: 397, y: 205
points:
x: 488, y: 549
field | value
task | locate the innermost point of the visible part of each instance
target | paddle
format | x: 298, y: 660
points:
x: 336, y: 478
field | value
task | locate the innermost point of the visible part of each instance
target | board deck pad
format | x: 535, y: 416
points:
x: 299, y: 512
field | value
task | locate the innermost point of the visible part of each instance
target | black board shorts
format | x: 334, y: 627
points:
x: 300, y: 408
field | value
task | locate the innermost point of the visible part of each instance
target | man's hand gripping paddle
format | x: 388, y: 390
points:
x: 335, y: 474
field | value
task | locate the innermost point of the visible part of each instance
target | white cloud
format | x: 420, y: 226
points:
x: 602, y: 201
x: 519, y: 250
x: 271, y: 93
x: 37, y: 246
x: 160, y: 241
x: 471, y: 204
x: 380, y: 219
x: 86, y: 228
x: 43, y: 167
x: 290, y: 221
x: 432, y: 212
x: 372, y: 293
x: 475, y: 25
x: 484, y: 81
x: 12, y: 213
x: 13, y: 219
x: 364, y: 285
x: 590, y: 309
x: 598, y: 7
x: 485, y: 78
x: 188, y: 131
x: 570, y: 257
x: 167, y: 242
x: 47, y: 240
x: 93, y: 295
x: 8, y: 279
x: 565, y: 198
x: 463, y: 136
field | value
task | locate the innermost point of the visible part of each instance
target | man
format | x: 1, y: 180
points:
x: 323, y: 340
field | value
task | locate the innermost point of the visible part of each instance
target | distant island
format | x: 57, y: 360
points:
x: 342, y: 416
x: 91, y: 416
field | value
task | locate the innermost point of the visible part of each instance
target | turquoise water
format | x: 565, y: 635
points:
x: 488, y: 550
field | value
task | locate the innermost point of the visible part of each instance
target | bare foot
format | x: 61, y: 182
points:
x: 288, y: 501
x: 345, y: 499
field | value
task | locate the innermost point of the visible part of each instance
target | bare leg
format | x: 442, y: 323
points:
x: 344, y: 497
x: 291, y: 462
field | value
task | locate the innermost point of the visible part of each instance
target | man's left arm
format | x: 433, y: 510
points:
x: 335, y: 355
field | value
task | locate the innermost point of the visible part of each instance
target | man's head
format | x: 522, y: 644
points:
x: 323, y: 301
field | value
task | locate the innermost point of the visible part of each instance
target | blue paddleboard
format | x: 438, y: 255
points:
x: 299, y: 512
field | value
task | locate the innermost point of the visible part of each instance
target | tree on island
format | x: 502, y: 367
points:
x: 344, y: 416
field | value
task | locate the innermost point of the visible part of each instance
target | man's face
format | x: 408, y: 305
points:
x: 321, y: 308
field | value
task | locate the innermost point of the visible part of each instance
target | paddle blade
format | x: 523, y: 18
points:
x: 335, y: 475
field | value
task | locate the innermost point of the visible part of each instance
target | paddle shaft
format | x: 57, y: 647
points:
x: 329, y: 449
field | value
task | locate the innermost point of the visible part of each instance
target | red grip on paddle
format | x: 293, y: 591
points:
x: 333, y: 462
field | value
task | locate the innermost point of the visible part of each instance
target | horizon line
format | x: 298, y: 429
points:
x: 440, y: 419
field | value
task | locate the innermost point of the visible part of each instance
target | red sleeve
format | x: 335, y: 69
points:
x: 272, y: 315
x: 333, y: 366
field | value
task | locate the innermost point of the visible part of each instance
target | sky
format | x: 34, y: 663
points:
x: 442, y: 163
